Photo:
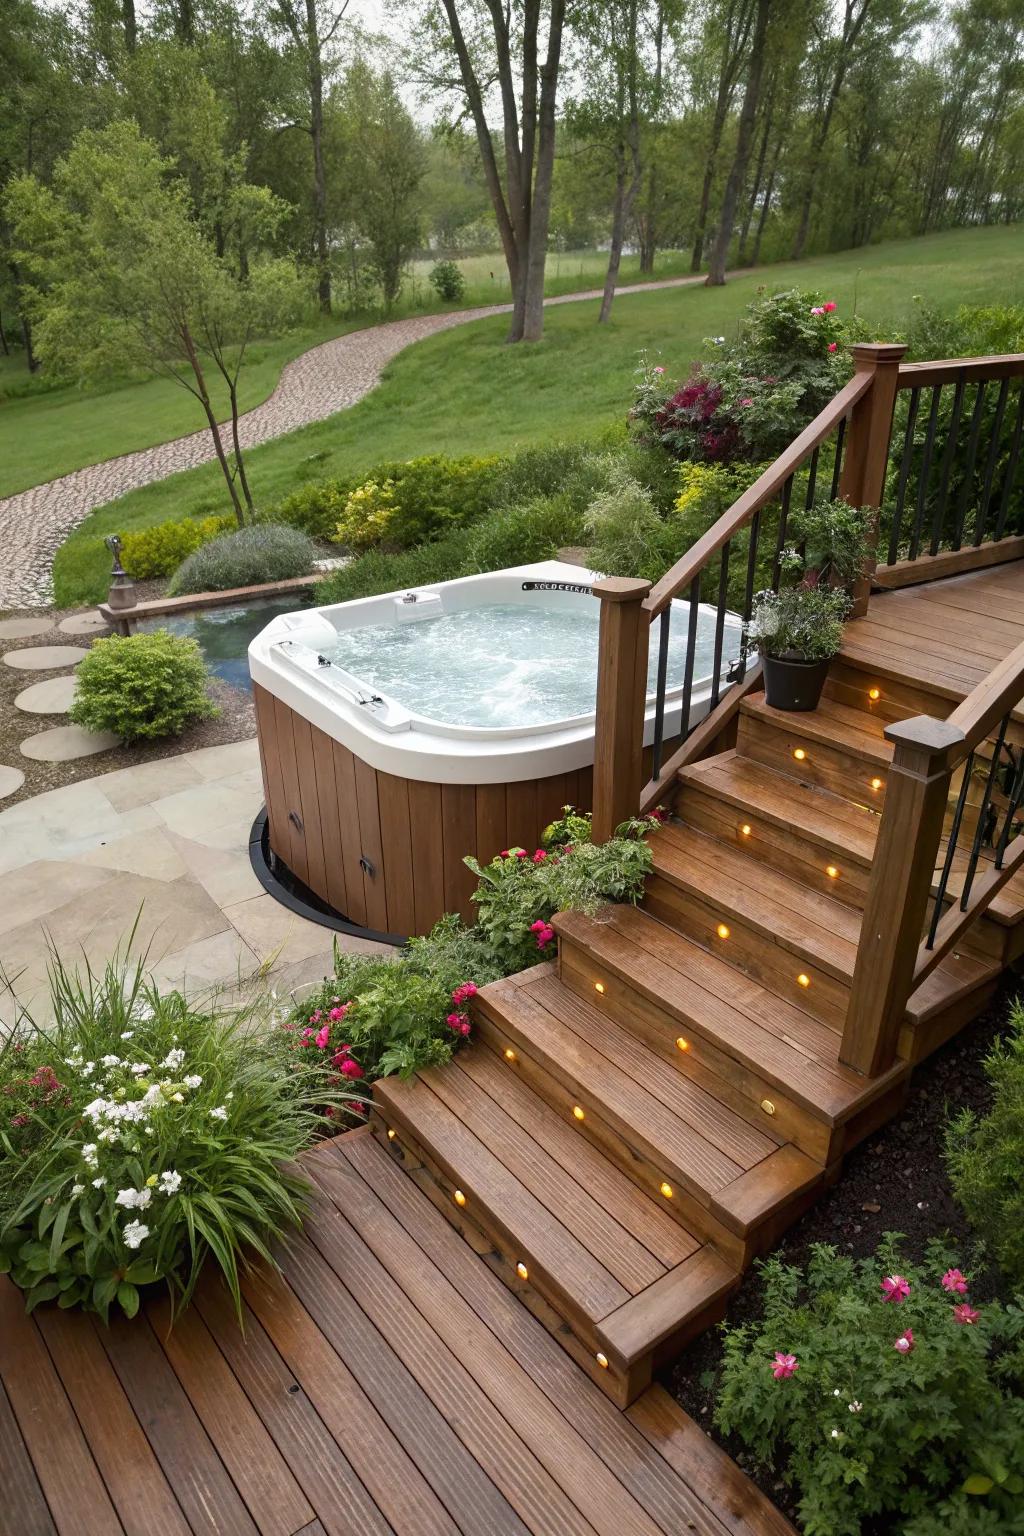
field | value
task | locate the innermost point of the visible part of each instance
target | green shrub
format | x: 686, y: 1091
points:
x: 447, y: 281
x: 144, y: 1134
x: 315, y: 508
x: 142, y: 687
x: 985, y: 1154
x: 377, y: 571
x: 159, y: 550
x: 261, y: 553
x: 533, y: 530
x: 799, y: 623
x: 574, y: 469
x: 875, y: 1389
x: 626, y: 537
x: 367, y: 515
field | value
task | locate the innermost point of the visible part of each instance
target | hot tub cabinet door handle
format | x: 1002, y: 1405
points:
x: 367, y: 866
x: 296, y: 820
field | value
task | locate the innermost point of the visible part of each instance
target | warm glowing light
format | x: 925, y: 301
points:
x: 522, y: 1271
x: 391, y: 1135
x: 577, y: 1113
x: 876, y: 783
x: 684, y: 1045
x: 598, y: 986
x: 510, y: 1054
x: 667, y: 1190
x: 602, y: 1360
x: 768, y: 1106
x: 831, y: 871
x: 459, y: 1197
x: 746, y: 829
x: 799, y: 754
x: 874, y: 694
x: 803, y: 979
x: 722, y: 930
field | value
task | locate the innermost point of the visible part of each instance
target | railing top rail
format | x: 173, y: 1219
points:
x: 982, y: 710
x: 763, y: 490
x: 949, y: 369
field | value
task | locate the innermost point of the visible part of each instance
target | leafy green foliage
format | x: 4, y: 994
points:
x: 263, y: 552
x: 142, y: 1135
x: 159, y: 550
x: 447, y: 281
x: 625, y: 535
x: 985, y: 1154
x: 380, y: 571
x: 142, y: 687
x: 799, y: 623
x: 819, y: 1390
x: 531, y: 530
x: 426, y: 497
x: 831, y: 539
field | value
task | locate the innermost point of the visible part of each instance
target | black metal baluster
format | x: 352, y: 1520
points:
x: 947, y: 863
x: 972, y: 453
x: 1012, y: 811
x: 723, y: 603
x: 990, y: 467
x: 979, y: 831
x: 948, y: 455
x: 748, y: 595
x: 901, y: 487
x: 787, y: 492
x: 926, y: 467
x: 837, y: 467
x: 1011, y: 468
x: 691, y: 657
x: 664, y: 622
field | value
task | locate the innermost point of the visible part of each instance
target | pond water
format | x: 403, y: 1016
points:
x: 224, y: 633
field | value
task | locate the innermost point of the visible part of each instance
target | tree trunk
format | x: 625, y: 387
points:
x: 316, y: 132
x: 236, y: 444
x: 129, y: 23
x: 649, y: 225
x: 540, y: 208
x: 744, y: 144
x: 185, y: 22
x: 741, y: 254
x: 766, y: 207
x: 852, y: 25
x: 735, y: 45
x: 4, y: 348
x: 204, y: 400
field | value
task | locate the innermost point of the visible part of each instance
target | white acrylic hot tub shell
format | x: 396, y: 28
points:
x: 413, y: 746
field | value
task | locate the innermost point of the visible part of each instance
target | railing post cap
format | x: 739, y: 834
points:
x: 922, y: 733
x: 621, y: 589
x: 869, y: 354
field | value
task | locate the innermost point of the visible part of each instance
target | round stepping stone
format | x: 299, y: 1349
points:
x: 64, y: 743
x: 51, y: 697
x: 11, y: 779
x: 89, y: 623
x: 45, y: 658
x: 23, y: 629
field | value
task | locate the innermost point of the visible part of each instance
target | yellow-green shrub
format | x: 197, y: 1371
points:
x: 159, y: 550
x: 367, y: 515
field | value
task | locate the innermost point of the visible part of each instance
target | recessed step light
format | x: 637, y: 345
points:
x: 667, y: 1190
x: 577, y: 1113
x: 723, y: 930
x: 522, y: 1271
x: 458, y: 1197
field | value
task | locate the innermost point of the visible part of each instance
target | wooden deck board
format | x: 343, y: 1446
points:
x: 386, y: 1384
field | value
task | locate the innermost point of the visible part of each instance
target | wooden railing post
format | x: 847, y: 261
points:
x: 901, y: 878
x: 621, y: 702
x: 862, y: 482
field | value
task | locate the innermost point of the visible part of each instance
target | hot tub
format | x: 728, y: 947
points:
x: 399, y: 733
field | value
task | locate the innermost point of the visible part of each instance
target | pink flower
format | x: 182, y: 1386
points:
x: 466, y: 990
x: 895, y: 1288
x: 965, y: 1313
x: 953, y: 1280
x: 819, y: 309
x: 504, y: 854
x: 905, y: 1342
x: 748, y: 401
x: 315, y: 1018
x: 350, y: 1068
x: 340, y: 1055
x: 658, y: 371
x: 833, y: 346
x: 464, y: 1027
x: 784, y: 1365
x: 323, y: 1038
x: 337, y: 1014
x: 829, y: 308
x: 520, y: 853
x: 539, y: 856
x: 657, y: 814
x: 459, y: 1022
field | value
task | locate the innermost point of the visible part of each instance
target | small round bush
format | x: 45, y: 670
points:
x: 142, y: 686
x: 263, y: 552
x: 447, y: 281
x: 534, y: 530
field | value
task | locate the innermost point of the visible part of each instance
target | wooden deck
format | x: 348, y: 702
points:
x: 387, y: 1381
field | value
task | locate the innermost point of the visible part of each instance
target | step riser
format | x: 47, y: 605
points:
x: 785, y: 849
x: 623, y: 1144
x: 897, y: 700
x: 742, y: 1089
x: 769, y: 962
x: 488, y: 1238
x: 824, y: 766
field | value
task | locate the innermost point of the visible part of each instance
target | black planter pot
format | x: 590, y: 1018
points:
x: 793, y: 685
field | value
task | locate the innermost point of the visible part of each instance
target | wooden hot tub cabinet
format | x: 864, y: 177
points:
x: 386, y: 852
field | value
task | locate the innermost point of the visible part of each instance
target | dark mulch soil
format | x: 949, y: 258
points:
x: 235, y: 722
x: 894, y: 1182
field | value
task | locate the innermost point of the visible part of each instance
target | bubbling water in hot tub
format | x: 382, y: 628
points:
x: 500, y: 664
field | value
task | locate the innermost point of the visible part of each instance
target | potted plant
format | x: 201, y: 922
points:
x: 800, y: 628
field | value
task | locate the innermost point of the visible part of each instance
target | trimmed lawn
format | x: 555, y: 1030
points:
x: 465, y: 391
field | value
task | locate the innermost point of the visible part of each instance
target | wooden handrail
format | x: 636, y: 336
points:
x: 993, y: 698
x: 764, y: 489
x: 956, y: 921
x: 948, y: 369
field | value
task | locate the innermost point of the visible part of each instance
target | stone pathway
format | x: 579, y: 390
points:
x: 328, y: 378
x: 164, y: 842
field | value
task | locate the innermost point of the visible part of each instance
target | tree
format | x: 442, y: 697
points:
x: 122, y: 276
x: 486, y: 41
x: 386, y: 148
x: 744, y: 144
x: 724, y: 49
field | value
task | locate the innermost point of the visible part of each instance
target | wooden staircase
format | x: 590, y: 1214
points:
x: 637, y: 1121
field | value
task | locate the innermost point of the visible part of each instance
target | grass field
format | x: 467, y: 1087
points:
x: 465, y: 391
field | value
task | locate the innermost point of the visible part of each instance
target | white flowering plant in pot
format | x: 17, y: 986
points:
x: 141, y: 1135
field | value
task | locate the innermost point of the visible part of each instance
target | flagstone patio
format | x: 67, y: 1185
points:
x: 164, y: 842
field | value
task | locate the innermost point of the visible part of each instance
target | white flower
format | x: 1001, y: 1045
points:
x: 78, y: 1189
x: 177, y: 1098
x: 134, y: 1199
x: 89, y: 1153
x: 108, y: 1135
x: 94, y: 1110
x: 835, y: 1434
x: 855, y: 1407
x: 193, y: 1080
x: 88, y: 1069
x: 153, y: 1095
x: 127, y: 1035
x: 836, y: 1392
x: 110, y: 1061
x: 220, y: 1113
x: 229, y: 1096
x: 149, y: 1130
x: 99, y: 1183
x: 135, y: 1233
x: 140, y: 1068
x: 173, y: 1060
x: 170, y: 1181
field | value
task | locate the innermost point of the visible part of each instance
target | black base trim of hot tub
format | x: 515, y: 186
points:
x: 279, y: 881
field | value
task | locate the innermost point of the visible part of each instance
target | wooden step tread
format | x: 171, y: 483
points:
x: 783, y: 1044
x: 755, y: 791
x: 855, y: 731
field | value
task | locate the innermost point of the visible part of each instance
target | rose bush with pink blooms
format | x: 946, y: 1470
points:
x: 882, y: 1396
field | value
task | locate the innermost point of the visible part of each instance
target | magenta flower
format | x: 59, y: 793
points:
x: 895, y: 1288
x: 458, y: 1022
x: 747, y: 401
x: 520, y: 853
x: 539, y: 856
x: 819, y: 309
x: 905, y: 1342
x: 544, y: 931
x: 323, y: 1038
x: 504, y: 854
x: 350, y: 1068
x: 337, y: 1014
x: 315, y: 1017
x: 965, y: 1313
x: 829, y: 307
x: 833, y: 346
x: 953, y: 1280
x: 658, y: 371
x: 466, y: 990
x: 784, y: 1365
